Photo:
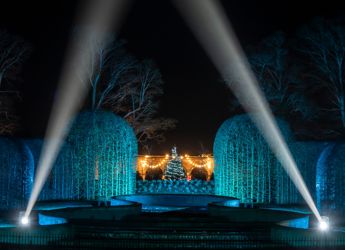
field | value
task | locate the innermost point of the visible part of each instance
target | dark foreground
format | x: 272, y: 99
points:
x: 139, y: 225
x: 172, y: 230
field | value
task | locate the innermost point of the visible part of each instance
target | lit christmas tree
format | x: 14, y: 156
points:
x: 174, y: 168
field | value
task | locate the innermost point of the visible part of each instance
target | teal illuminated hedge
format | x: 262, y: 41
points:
x: 97, y: 161
x: 330, y: 180
x: 245, y: 167
x: 104, y: 154
x: 16, y: 173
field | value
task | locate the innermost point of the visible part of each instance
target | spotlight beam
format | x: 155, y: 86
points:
x: 209, y: 23
x: 100, y: 17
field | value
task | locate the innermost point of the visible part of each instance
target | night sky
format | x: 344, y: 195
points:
x: 194, y: 92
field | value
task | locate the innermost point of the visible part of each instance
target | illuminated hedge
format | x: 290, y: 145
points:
x: 246, y: 168
x: 306, y: 155
x: 104, y: 155
x: 175, y: 187
x: 97, y: 160
x: 330, y: 179
x: 16, y: 173
x: 63, y: 176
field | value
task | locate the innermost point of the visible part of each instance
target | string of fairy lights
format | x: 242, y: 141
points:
x: 206, y: 161
x: 145, y: 163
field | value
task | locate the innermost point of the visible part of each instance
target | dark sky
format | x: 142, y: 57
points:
x: 194, y: 92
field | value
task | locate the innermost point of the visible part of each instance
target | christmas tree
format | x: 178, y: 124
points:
x: 174, y: 168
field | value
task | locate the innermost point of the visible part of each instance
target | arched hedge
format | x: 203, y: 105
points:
x: 246, y: 168
x: 104, y: 153
x: 17, y: 173
x: 97, y: 160
x: 330, y: 179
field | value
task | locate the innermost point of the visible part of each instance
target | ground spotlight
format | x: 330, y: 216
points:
x: 324, y: 223
x: 24, y: 221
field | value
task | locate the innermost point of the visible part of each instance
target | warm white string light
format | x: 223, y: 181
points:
x: 207, y: 163
x: 145, y: 164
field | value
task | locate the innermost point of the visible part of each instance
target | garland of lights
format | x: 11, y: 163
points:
x: 206, y: 164
x: 194, y: 164
x: 161, y: 163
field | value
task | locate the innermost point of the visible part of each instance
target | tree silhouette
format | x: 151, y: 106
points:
x: 279, y: 77
x: 13, y: 51
x: 129, y: 87
x: 322, y: 42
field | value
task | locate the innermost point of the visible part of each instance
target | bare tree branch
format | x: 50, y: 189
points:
x: 128, y: 87
x: 13, y: 51
x: 323, y: 44
x: 278, y: 78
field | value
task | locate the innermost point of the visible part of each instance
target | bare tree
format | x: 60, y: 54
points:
x: 13, y: 51
x: 128, y: 87
x: 136, y: 100
x: 9, y: 120
x: 278, y: 78
x: 322, y: 42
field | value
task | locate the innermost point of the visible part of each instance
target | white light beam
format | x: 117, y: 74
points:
x: 100, y: 17
x: 209, y: 23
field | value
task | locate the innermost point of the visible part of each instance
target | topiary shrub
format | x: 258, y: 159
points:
x: 17, y: 173
x: 246, y: 168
